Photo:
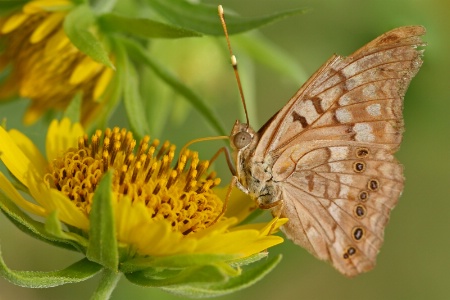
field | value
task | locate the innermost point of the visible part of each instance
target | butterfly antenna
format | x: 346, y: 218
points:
x: 210, y: 138
x: 233, y: 60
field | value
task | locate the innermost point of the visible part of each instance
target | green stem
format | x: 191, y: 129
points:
x: 107, y: 285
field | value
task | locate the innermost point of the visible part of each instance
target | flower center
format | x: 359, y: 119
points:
x: 181, y: 194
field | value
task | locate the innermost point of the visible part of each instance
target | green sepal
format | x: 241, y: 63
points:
x: 132, y: 98
x: 106, y: 285
x: 7, y: 7
x: 76, y: 26
x: 205, y: 274
x: 138, y: 53
x: 249, y: 276
x: 32, y: 227
x: 73, y: 111
x: 249, y: 259
x: 143, y: 27
x: 77, y: 272
x: 204, y: 18
x: 54, y: 227
x: 102, y: 247
x: 174, y: 261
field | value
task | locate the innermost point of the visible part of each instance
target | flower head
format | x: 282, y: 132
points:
x: 160, y: 209
x: 45, y: 66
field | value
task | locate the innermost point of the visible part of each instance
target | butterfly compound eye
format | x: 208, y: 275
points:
x: 242, y: 139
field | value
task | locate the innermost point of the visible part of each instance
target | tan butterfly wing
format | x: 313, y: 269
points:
x: 332, y: 150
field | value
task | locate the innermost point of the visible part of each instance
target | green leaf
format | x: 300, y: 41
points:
x: 248, y: 277
x: 143, y: 27
x: 53, y: 226
x: 131, y: 95
x: 139, y: 54
x: 77, y: 25
x: 102, y: 6
x: 193, y: 275
x: 204, y: 18
x: 102, y: 246
x: 77, y: 272
x: 111, y: 96
x: 31, y: 227
x: 174, y: 261
x: 73, y: 111
x: 159, y: 111
x: 7, y: 7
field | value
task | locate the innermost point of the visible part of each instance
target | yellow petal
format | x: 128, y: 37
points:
x: 264, y: 228
x: 13, y: 22
x: 102, y: 83
x: 273, y: 226
x: 37, y: 6
x: 29, y: 149
x: 85, y: 70
x: 217, y: 228
x: 47, y: 26
x: 228, y: 243
x: 261, y: 244
x: 53, y: 200
x: 33, y: 112
x: 239, y: 205
x: 19, y: 164
x: 10, y: 191
x: 61, y: 136
x: 68, y: 212
x: 56, y: 42
x: 135, y: 227
x: 128, y: 218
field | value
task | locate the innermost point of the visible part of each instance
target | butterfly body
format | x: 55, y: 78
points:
x: 325, y: 160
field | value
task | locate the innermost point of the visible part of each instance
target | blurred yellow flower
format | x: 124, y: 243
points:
x: 159, y: 210
x: 45, y: 66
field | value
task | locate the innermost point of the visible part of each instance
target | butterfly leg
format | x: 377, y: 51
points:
x: 227, y: 157
x: 234, y: 182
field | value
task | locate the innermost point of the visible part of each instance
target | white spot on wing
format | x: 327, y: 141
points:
x: 343, y: 115
x: 336, y: 212
x: 308, y: 111
x: 363, y: 132
x: 344, y: 100
x: 346, y: 179
x: 337, y: 167
x: 369, y: 91
x: 374, y: 110
x: 343, y: 193
x: 329, y: 97
x: 350, y: 70
x: 338, y: 153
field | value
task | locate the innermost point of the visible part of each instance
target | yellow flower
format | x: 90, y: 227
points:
x: 159, y: 209
x: 45, y: 66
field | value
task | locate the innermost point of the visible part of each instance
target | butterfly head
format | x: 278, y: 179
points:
x: 241, y: 136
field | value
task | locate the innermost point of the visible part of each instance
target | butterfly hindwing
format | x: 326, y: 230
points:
x: 329, y: 194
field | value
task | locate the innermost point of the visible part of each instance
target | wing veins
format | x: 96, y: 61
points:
x: 334, y: 220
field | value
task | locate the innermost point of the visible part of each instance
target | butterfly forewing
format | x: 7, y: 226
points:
x: 328, y: 154
x: 366, y: 87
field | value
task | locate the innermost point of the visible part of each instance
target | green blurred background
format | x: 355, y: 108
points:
x: 414, y: 262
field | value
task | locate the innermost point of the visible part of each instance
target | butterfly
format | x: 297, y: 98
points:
x: 325, y: 160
